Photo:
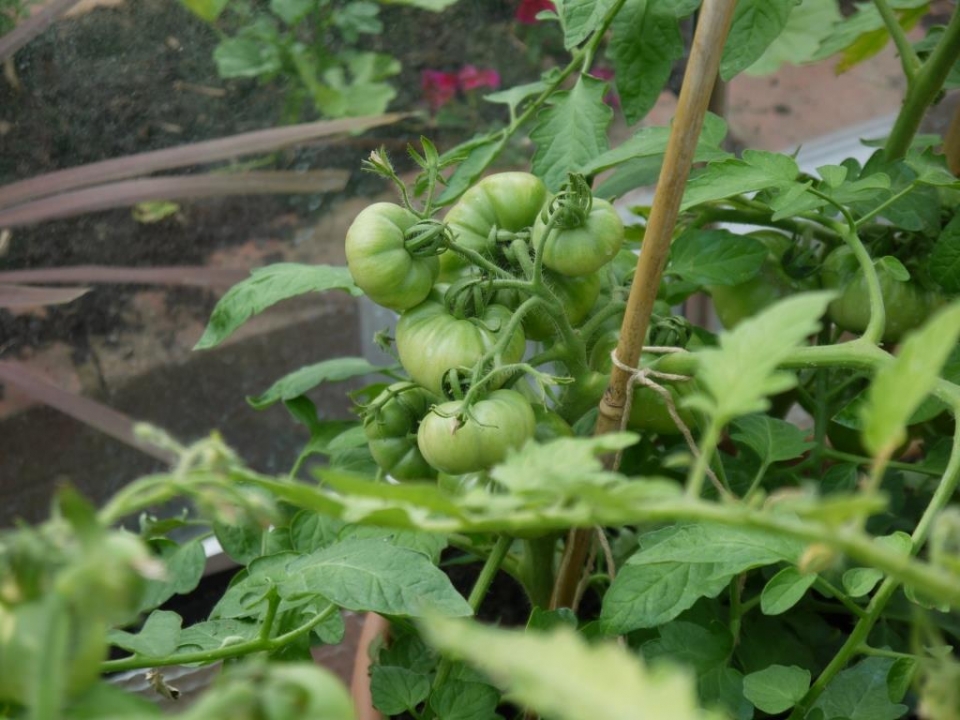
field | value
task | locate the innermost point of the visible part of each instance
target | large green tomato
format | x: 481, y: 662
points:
x: 390, y: 424
x: 503, y: 420
x: 379, y: 261
x: 584, y: 249
x: 735, y: 303
x: 907, y: 304
x: 431, y: 341
x: 505, y: 201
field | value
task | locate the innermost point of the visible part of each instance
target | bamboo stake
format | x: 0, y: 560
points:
x: 698, y: 82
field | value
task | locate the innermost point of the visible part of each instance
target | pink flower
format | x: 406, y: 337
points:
x: 471, y: 78
x: 438, y: 87
x: 611, y: 97
x: 528, y: 9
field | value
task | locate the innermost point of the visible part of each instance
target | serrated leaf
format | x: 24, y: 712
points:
x: 777, y: 688
x: 184, y: 566
x: 561, y: 676
x: 945, y: 257
x: 742, y: 372
x: 809, y: 24
x: 784, y: 590
x: 716, y: 257
x: 307, y: 378
x: 462, y: 700
x: 757, y: 170
x: 860, y: 693
x: 159, y: 635
x: 512, y: 97
x: 265, y: 287
x: 428, y: 544
x: 431, y: 5
x: 645, y: 43
x: 242, y: 541
x: 395, y: 689
x: 858, y: 582
x: 214, y: 634
x: 900, y: 387
x: 723, y: 687
x: 756, y: 24
x: 580, y: 18
x: 571, y: 131
x: 245, y: 57
x: 479, y: 154
x: 373, y: 575
x: 561, y: 467
x: 772, y: 439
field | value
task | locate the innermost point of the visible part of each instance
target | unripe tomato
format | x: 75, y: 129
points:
x: 577, y: 295
x: 584, y: 249
x: 431, y: 341
x: 491, y: 427
x: 907, y: 304
x: 504, y: 201
x: 379, y: 261
x: 391, y: 424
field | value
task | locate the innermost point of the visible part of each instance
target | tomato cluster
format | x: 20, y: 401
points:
x: 510, y: 263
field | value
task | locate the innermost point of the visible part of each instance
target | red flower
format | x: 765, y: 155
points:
x: 471, y: 78
x: 438, y: 87
x: 611, y: 97
x: 528, y: 9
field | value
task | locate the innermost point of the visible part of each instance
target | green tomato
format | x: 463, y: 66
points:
x: 431, y: 341
x: 907, y: 304
x: 735, y: 303
x: 481, y: 438
x: 380, y: 263
x: 649, y: 412
x: 390, y: 424
x: 577, y: 295
x: 504, y: 201
x: 584, y: 249
x: 550, y: 425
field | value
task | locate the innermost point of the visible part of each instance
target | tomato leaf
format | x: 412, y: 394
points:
x: 945, y: 257
x: 772, y: 439
x: 479, y: 154
x: 159, y: 635
x: 184, y: 566
x: 687, y: 643
x: 742, y: 371
x: 901, y: 386
x: 808, y: 25
x: 784, y: 590
x: 645, y: 44
x: 860, y: 693
x: 373, y: 575
x: 756, y: 24
x: 777, y: 688
x: 848, y: 31
x: 267, y: 286
x: 396, y: 690
x: 561, y: 676
x: 579, y: 18
x: 213, y: 634
x: 858, y: 582
x: 462, y: 700
x: 716, y: 257
x: 306, y: 378
x: 431, y: 5
x: 571, y: 131
x: 757, y: 170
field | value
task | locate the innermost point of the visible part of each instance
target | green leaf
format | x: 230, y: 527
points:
x: 784, y: 590
x: 292, y: 11
x: 900, y: 678
x: 758, y: 170
x: 356, y: 86
x: 945, y: 257
x: 580, y: 18
x: 777, y: 688
x: 242, y: 541
x: 395, y: 689
x: 267, y: 286
x: 208, y: 10
x: 213, y: 634
x: 772, y: 439
x: 159, y: 635
x: 571, y: 131
x: 311, y: 531
x: 183, y: 565
x: 246, y: 57
x: 372, y: 575
x: 461, y: 700
x: 860, y: 693
x: 428, y: 544
x: 646, y: 42
x: 514, y: 96
x: 561, y: 676
x: 560, y: 467
x: 716, y: 257
x: 861, y: 35
x: 858, y: 582
x: 756, y: 24
x: 307, y: 378
x: 900, y: 387
x: 723, y: 687
x: 678, y: 565
x: 687, y: 643
x: 479, y: 154
x: 431, y: 5
x: 809, y: 24
x: 742, y: 372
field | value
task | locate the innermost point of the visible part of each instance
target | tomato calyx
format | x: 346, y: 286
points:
x: 569, y: 208
x: 427, y: 237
